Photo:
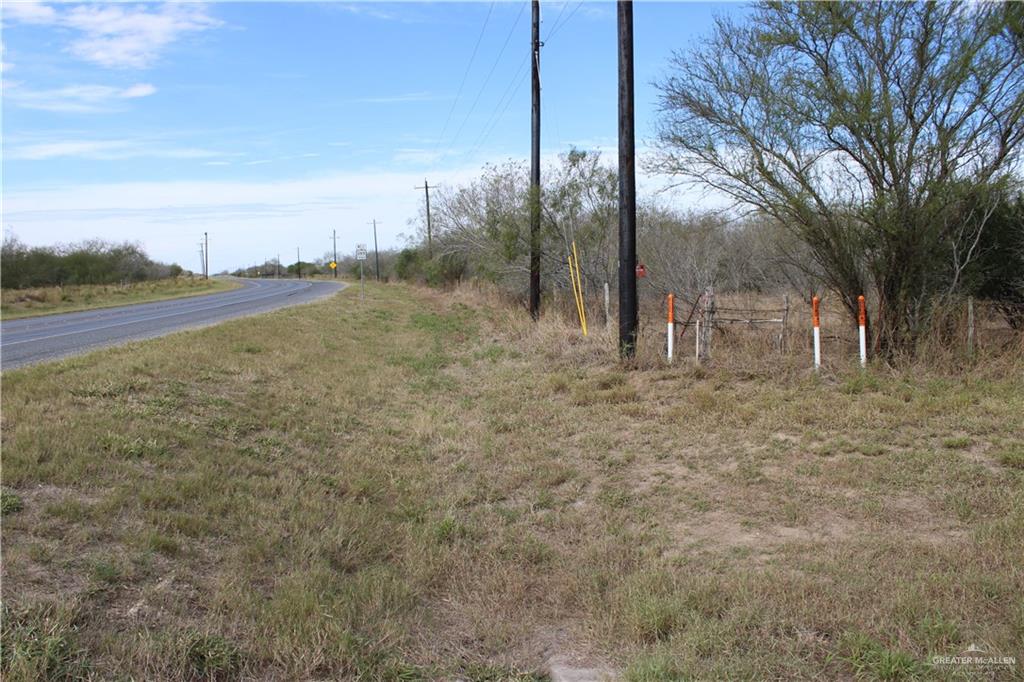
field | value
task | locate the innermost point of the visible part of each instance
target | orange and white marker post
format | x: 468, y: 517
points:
x: 816, y: 318
x: 862, y: 323
x: 671, y: 324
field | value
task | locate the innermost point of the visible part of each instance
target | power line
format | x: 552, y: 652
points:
x: 495, y: 118
x: 493, y: 122
x: 557, y: 27
x: 560, y: 13
x: 489, y: 74
x: 464, y: 77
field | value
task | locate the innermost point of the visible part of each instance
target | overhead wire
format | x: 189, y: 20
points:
x: 516, y: 81
x: 495, y: 118
x: 489, y: 74
x: 465, y: 75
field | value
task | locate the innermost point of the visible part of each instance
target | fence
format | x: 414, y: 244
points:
x: 820, y: 327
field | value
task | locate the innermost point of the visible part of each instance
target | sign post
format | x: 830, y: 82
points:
x: 361, y: 256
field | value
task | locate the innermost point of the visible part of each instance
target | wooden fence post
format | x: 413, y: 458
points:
x: 970, y: 326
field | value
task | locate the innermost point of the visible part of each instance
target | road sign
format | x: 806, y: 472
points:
x: 333, y: 265
x: 360, y: 251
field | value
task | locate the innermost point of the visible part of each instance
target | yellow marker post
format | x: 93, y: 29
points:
x: 579, y: 289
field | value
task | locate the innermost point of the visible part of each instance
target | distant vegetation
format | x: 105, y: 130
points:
x: 89, y: 262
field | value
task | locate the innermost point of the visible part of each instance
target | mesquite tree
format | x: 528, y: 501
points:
x: 876, y: 132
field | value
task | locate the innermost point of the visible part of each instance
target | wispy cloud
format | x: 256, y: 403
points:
x: 404, y: 97
x: 117, y: 35
x: 417, y: 156
x: 369, y: 10
x: 101, y: 150
x: 76, y: 98
x: 30, y: 12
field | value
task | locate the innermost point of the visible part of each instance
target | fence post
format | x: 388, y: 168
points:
x: 785, y: 322
x: 671, y: 324
x: 862, y: 323
x: 696, y: 341
x: 707, y: 321
x: 816, y: 319
x: 607, y: 308
x: 970, y: 326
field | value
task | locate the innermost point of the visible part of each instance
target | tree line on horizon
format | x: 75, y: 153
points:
x: 89, y: 262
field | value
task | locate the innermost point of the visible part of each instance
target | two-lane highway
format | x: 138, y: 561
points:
x: 49, y: 337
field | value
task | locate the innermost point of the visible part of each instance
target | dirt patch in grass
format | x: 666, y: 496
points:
x: 425, y: 486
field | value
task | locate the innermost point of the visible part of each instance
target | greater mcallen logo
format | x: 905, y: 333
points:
x: 975, y: 655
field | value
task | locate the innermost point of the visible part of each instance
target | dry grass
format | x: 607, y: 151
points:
x: 426, y: 486
x: 48, y: 300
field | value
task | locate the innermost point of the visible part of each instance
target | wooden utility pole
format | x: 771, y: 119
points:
x: 376, y: 252
x: 628, y: 316
x: 426, y: 189
x: 334, y: 236
x: 535, y: 169
x: 298, y: 263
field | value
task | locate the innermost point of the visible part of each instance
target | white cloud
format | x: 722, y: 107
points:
x: 30, y: 12
x: 400, y: 98
x: 101, y: 150
x: 115, y: 35
x: 76, y: 98
x: 248, y: 221
x: 417, y: 156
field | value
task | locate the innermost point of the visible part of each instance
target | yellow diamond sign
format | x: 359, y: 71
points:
x: 333, y: 265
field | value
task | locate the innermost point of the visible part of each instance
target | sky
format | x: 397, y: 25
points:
x: 271, y: 124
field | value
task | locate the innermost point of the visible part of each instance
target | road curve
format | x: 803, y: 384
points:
x: 49, y: 337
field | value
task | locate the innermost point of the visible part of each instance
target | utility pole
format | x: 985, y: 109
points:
x: 426, y: 189
x: 298, y: 263
x: 335, y: 237
x: 376, y: 253
x: 206, y: 255
x: 535, y: 169
x: 277, y: 270
x: 628, y: 316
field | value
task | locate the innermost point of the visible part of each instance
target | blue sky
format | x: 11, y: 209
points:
x: 270, y: 124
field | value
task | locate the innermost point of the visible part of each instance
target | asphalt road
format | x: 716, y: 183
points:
x: 49, y: 337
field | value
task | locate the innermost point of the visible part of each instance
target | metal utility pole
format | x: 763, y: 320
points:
x: 426, y: 189
x: 298, y: 263
x: 535, y: 169
x: 628, y: 317
x: 376, y: 252
x: 335, y: 237
x: 206, y: 255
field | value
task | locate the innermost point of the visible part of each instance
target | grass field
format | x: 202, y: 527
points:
x: 422, y: 487
x: 48, y: 300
